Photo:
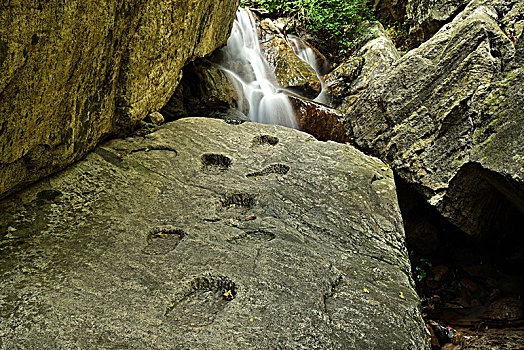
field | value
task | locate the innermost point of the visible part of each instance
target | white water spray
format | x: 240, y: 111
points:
x: 252, y: 76
x: 306, y: 54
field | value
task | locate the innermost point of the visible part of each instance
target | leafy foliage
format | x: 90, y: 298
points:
x: 399, y: 34
x: 335, y: 23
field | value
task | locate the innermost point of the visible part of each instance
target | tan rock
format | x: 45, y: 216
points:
x: 291, y: 72
x: 74, y: 73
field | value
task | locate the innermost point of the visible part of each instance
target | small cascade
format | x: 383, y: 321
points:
x: 260, y: 95
x: 306, y: 54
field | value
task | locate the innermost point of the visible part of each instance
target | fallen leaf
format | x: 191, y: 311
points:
x: 366, y: 290
x: 251, y: 218
x: 213, y: 220
x: 228, y: 295
x: 401, y: 295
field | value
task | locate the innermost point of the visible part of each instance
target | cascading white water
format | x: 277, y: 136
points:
x: 252, y: 76
x: 306, y: 54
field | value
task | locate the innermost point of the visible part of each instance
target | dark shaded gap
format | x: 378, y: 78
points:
x: 468, y: 282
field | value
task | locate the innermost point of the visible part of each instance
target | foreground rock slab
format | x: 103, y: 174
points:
x: 205, y: 235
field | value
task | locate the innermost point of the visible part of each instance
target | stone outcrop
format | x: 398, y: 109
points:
x: 447, y: 116
x: 205, y: 235
x: 423, y: 17
x: 347, y: 82
x: 326, y: 124
x: 73, y: 73
x: 291, y: 72
x: 389, y: 10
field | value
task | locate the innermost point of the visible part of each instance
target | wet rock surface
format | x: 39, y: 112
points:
x: 74, y: 72
x: 436, y: 118
x: 290, y: 71
x: 207, y: 235
x: 318, y: 120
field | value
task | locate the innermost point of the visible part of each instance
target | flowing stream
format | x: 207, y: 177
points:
x: 260, y: 94
x: 306, y: 54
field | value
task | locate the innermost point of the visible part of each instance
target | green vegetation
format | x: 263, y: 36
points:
x: 336, y: 24
x: 399, y: 34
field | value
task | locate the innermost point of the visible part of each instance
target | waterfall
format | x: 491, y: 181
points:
x: 260, y: 95
x: 306, y: 54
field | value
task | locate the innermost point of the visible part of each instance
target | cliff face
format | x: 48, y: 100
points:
x: 73, y: 72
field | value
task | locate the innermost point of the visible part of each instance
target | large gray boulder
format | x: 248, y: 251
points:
x: 425, y: 17
x: 448, y: 117
x: 347, y: 82
x: 205, y: 235
x: 74, y: 72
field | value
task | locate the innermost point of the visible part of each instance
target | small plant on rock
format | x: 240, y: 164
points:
x: 336, y: 24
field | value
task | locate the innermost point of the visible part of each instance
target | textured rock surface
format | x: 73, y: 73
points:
x: 350, y: 79
x: 448, y: 117
x: 291, y: 72
x: 249, y: 236
x: 318, y: 120
x: 74, y: 72
x: 423, y: 17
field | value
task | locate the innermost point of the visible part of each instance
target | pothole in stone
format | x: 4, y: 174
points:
x: 213, y: 162
x: 200, y: 301
x: 162, y: 240
x: 244, y: 200
x: 259, y: 235
x: 278, y: 169
x: 47, y: 196
x: 265, y: 140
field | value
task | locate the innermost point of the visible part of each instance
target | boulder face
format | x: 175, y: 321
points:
x: 76, y: 72
x: 350, y: 79
x: 449, y: 113
x: 326, y: 124
x: 428, y: 16
x: 249, y: 236
x: 291, y: 72
x: 392, y: 10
